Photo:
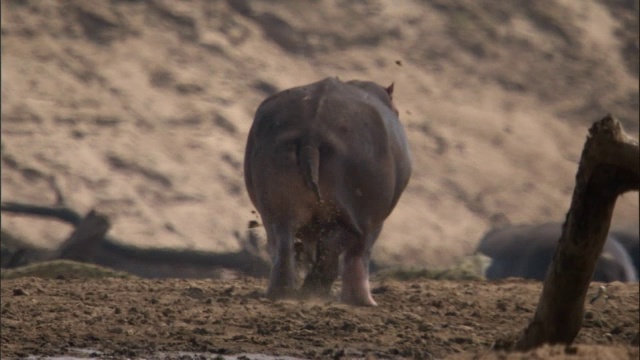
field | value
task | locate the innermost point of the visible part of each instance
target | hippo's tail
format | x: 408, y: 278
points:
x: 309, y: 163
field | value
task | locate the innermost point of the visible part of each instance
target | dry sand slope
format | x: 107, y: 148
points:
x: 141, y: 108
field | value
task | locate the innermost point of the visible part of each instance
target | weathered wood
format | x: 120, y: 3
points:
x: 15, y: 252
x: 609, y: 166
x: 84, y: 245
x: 86, y: 238
x: 58, y: 212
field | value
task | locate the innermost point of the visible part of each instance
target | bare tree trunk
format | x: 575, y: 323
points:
x: 609, y: 166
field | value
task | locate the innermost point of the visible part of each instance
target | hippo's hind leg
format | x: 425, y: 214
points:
x: 282, y: 281
x: 325, y: 268
x: 355, y: 270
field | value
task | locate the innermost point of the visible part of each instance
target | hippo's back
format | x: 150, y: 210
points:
x: 527, y: 251
x: 339, y: 148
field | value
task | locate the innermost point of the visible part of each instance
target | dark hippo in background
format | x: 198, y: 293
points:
x: 326, y: 163
x: 527, y: 250
x: 630, y: 239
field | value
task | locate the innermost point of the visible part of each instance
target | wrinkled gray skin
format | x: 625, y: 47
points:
x: 326, y: 163
x: 527, y: 250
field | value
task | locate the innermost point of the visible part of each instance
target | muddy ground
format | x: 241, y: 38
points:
x: 416, y: 318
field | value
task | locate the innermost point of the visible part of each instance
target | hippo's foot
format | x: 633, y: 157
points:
x: 355, y: 283
x: 283, y: 285
x: 357, y: 298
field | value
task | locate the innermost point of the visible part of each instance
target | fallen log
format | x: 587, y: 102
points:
x: 90, y: 243
x: 62, y: 213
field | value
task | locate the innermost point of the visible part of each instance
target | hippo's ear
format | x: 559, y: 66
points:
x: 390, y: 90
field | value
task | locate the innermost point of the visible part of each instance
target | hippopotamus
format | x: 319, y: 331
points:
x: 629, y: 238
x: 527, y: 250
x: 326, y: 163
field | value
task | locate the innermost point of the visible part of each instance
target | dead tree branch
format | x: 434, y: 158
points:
x: 86, y: 238
x: 609, y: 166
x: 58, y: 212
x: 89, y: 242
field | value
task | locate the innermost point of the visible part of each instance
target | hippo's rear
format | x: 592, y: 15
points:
x: 326, y: 163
